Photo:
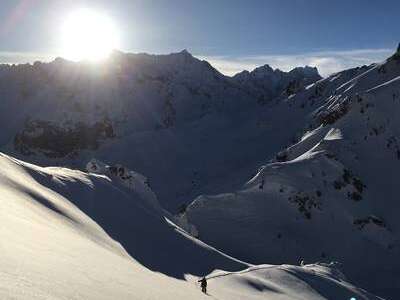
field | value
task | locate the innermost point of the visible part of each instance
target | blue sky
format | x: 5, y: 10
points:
x: 232, y: 34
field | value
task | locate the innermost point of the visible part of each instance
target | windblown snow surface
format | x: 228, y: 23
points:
x: 52, y: 246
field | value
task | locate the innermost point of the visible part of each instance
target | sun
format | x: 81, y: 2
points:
x: 88, y: 35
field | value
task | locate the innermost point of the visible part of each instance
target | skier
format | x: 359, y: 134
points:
x: 203, y: 284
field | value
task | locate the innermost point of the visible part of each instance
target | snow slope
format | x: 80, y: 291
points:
x: 331, y: 196
x: 133, y: 217
x: 52, y: 250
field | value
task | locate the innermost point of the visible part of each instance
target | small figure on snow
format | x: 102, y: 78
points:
x: 203, y: 284
x: 302, y: 262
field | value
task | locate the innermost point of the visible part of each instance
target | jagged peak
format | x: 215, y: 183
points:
x: 264, y: 69
x: 184, y: 53
x: 261, y: 71
x: 267, y: 69
x: 307, y: 71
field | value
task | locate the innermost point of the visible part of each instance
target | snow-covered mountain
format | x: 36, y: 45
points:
x: 281, y: 166
x: 333, y: 195
x: 66, y: 234
x: 154, y: 113
x: 267, y: 84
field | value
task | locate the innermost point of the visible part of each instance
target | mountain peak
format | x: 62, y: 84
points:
x: 185, y: 52
x: 307, y: 71
x: 268, y: 83
x: 267, y: 70
x: 60, y: 60
x: 264, y: 69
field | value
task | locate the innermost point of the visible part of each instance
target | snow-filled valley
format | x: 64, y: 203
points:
x: 243, y: 177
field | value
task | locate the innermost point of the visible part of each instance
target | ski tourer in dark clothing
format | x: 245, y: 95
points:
x: 203, y: 284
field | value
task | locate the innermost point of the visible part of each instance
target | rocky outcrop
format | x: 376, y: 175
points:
x: 56, y: 141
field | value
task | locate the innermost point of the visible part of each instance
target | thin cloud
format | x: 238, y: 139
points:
x: 327, y: 62
x: 23, y: 57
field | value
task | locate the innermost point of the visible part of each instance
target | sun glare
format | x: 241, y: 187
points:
x: 88, y: 35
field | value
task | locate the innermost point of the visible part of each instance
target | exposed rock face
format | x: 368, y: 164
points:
x: 362, y: 222
x: 56, y: 141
